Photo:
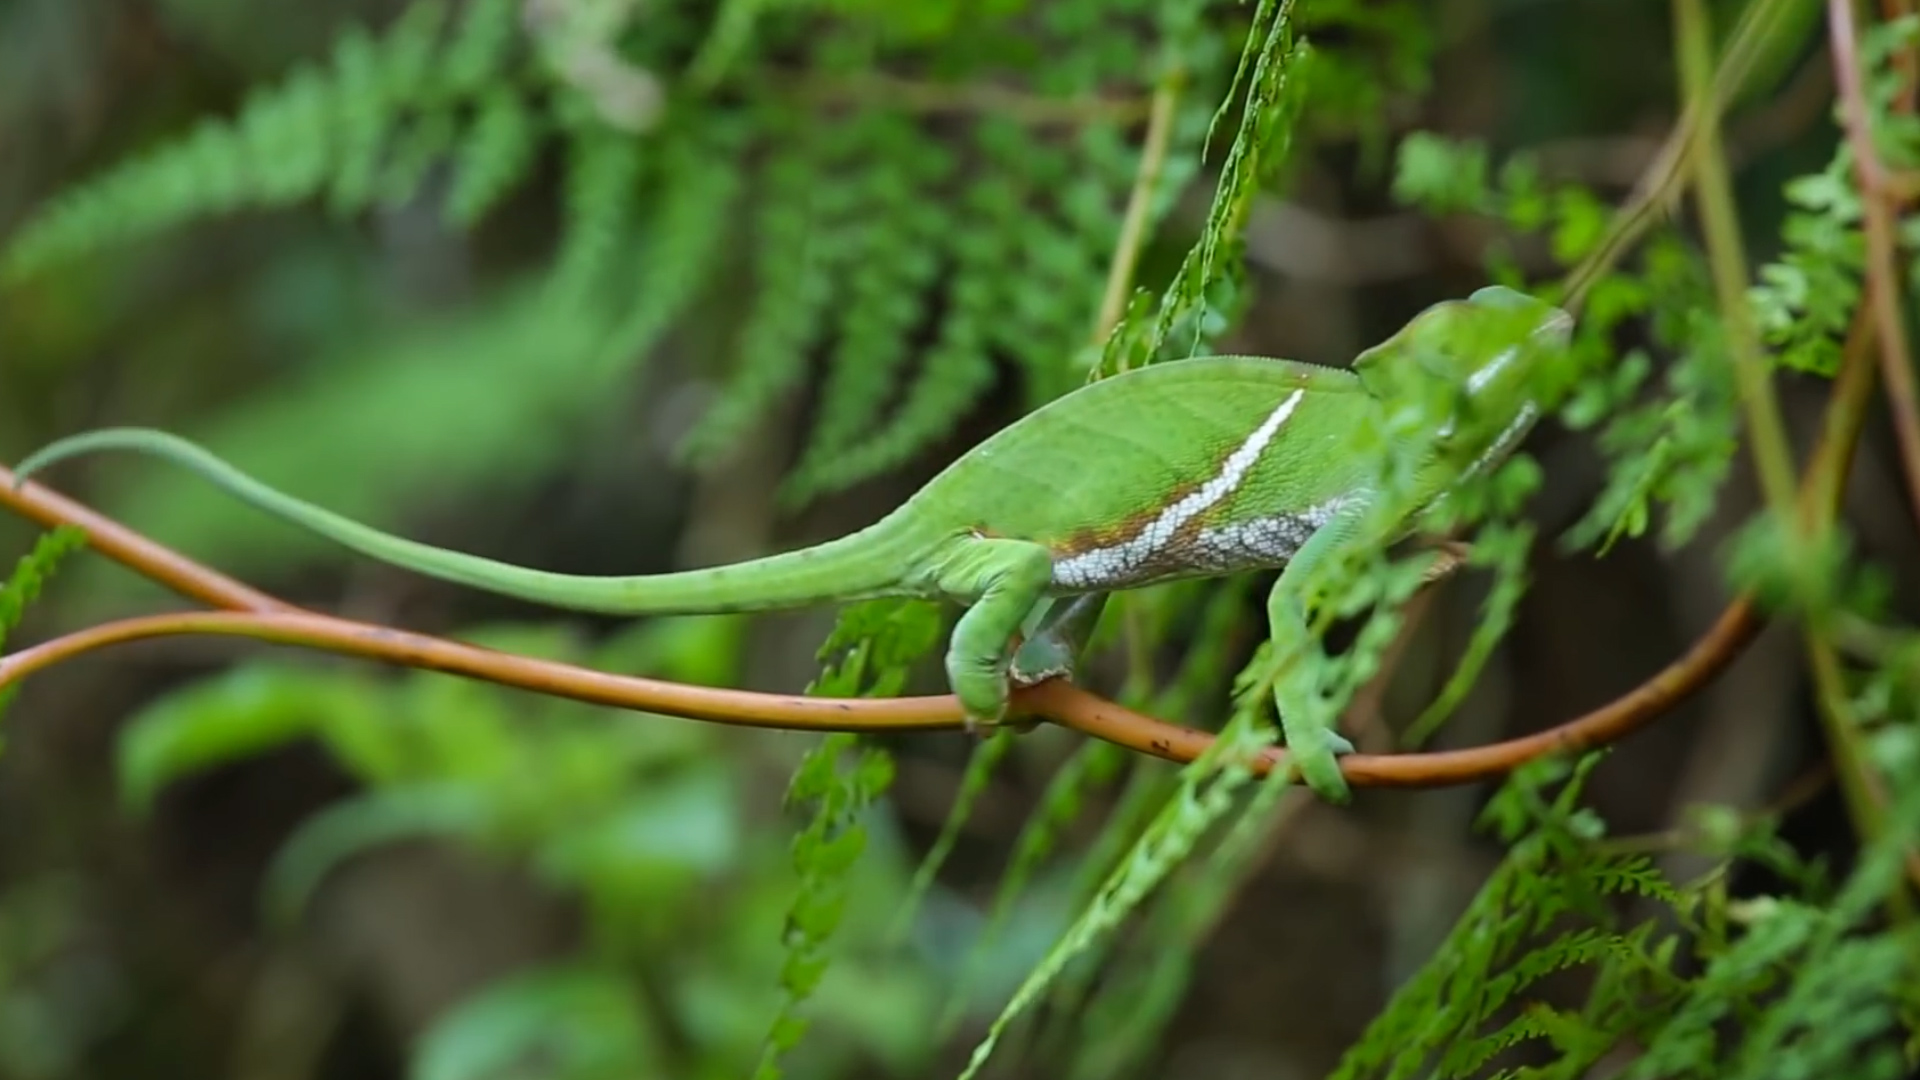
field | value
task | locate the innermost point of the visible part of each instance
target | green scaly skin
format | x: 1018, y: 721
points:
x: 1200, y: 467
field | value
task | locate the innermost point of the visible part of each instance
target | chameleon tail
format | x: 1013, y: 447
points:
x: 863, y: 564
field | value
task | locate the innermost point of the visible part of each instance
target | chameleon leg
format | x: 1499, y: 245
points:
x: 1311, y: 738
x: 1052, y: 646
x: 1005, y: 580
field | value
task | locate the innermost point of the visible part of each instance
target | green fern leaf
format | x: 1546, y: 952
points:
x: 230, y: 717
x: 892, y: 254
x: 683, y: 242
x: 322, y: 129
x: 1093, y: 763
x: 824, y: 854
x: 1139, y: 999
x: 986, y: 757
x: 410, y: 50
x: 22, y: 587
x: 366, y: 116
x: 797, y: 258
x: 496, y: 153
x: 1259, y: 146
x: 604, y: 171
x: 382, y: 816
x: 958, y: 374
x: 1205, y: 793
x: 476, y: 52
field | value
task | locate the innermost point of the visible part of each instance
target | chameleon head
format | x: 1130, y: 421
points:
x: 1501, y: 341
x: 1500, y: 348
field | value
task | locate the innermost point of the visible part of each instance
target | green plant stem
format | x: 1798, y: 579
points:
x: 1665, y: 180
x: 1133, y: 228
x: 1726, y: 255
x: 1766, y: 430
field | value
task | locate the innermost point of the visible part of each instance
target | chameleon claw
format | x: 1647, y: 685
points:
x: 1320, y: 767
x: 1316, y: 753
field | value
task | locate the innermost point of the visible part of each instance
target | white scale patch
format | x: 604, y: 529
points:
x: 1263, y: 542
x: 1129, y: 559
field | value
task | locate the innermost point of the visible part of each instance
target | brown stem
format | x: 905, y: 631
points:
x: 130, y: 549
x: 1146, y: 181
x: 1878, y: 199
x: 254, y: 614
x: 1055, y: 700
x: 373, y: 642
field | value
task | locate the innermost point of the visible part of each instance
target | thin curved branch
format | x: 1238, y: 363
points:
x: 1133, y: 227
x: 1055, y: 700
x: 370, y: 641
x: 254, y: 614
x: 128, y: 548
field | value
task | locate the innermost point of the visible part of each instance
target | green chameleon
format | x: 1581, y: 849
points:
x: 1190, y: 468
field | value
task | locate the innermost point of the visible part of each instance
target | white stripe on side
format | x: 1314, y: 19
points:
x: 1090, y: 569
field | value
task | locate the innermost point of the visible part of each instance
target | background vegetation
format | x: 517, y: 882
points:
x: 617, y: 286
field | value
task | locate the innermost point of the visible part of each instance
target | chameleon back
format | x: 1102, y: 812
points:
x: 1184, y: 468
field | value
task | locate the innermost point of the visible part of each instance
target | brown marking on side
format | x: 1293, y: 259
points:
x: 1172, y: 555
x: 1098, y: 537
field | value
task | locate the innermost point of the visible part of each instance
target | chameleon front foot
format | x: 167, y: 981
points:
x: 1313, y: 744
x: 1318, y: 754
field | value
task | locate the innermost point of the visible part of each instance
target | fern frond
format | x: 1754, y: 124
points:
x: 22, y: 587
x: 958, y: 374
x: 892, y: 256
x: 683, y: 241
x: 1260, y: 144
x: 365, y: 117
x: 1092, y: 764
x: 495, y: 154
x: 479, y: 46
x: 986, y: 757
x: 603, y: 175
x: 958, y: 370
x: 1139, y: 999
x: 321, y: 129
x: 1064, y: 212
x: 1205, y: 794
x: 824, y: 853
x: 797, y: 258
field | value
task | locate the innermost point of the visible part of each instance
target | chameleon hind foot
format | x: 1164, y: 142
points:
x: 1053, y: 649
x: 1007, y: 579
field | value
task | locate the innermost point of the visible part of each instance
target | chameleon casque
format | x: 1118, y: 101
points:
x: 1189, y: 468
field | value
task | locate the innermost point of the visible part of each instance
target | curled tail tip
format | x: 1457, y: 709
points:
x: 85, y: 442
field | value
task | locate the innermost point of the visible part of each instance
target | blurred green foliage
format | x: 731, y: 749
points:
x: 869, y: 213
x: 640, y: 818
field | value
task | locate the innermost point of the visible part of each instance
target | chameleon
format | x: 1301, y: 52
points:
x: 1200, y: 467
